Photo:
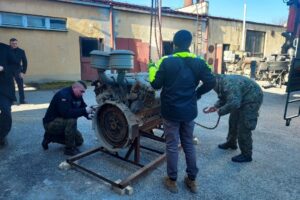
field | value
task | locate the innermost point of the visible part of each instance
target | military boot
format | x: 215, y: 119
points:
x: 170, y: 185
x: 228, y: 145
x: 190, y: 184
x: 241, y: 158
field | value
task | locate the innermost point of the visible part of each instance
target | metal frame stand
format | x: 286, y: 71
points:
x: 136, y: 147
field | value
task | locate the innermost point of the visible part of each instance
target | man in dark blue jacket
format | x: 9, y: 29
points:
x: 7, y: 94
x: 60, y: 121
x: 179, y: 75
x: 18, y: 62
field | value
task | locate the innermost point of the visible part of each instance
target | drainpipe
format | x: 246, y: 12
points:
x: 111, y: 20
x: 206, y: 36
x: 244, y: 28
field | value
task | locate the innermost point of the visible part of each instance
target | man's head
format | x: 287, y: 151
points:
x: 13, y: 42
x: 79, y: 88
x: 182, y: 39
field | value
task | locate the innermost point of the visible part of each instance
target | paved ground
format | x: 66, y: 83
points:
x: 28, y: 172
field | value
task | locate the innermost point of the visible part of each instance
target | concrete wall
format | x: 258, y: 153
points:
x: 54, y: 55
x: 230, y: 32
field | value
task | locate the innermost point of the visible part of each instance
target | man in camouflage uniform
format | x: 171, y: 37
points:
x: 242, y: 98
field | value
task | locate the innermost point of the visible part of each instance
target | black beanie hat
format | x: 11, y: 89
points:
x: 182, y: 39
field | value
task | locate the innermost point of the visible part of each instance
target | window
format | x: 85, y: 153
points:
x: 32, y: 22
x: 255, y: 41
x: 12, y: 19
x: 38, y: 22
x: 57, y: 24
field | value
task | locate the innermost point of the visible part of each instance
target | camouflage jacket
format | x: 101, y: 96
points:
x: 235, y: 91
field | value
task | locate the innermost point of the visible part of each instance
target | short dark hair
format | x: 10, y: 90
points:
x: 182, y: 39
x: 13, y: 40
x: 82, y: 83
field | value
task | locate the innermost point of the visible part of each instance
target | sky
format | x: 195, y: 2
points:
x: 264, y: 11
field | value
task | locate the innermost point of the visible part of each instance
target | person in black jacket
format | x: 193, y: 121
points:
x: 179, y: 75
x: 7, y: 94
x: 60, y: 121
x: 18, y: 62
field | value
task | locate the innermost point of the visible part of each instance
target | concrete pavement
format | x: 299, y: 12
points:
x: 29, y: 172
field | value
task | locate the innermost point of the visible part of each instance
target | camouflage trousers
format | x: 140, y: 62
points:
x: 64, y: 131
x: 241, y: 124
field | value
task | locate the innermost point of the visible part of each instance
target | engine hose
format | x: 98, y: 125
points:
x: 210, y: 128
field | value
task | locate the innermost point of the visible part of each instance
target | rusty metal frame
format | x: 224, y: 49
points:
x: 136, y: 147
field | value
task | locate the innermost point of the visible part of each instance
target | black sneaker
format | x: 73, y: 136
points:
x: 241, y: 158
x: 46, y: 141
x: 71, y: 151
x: 227, y: 145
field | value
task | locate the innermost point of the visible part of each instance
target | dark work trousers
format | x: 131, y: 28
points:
x: 64, y: 131
x: 20, y: 84
x: 241, y: 124
x: 183, y: 131
x: 5, y: 116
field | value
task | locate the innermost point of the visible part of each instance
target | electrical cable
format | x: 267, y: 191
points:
x: 210, y: 128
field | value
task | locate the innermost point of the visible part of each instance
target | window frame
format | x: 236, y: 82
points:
x: 24, y: 24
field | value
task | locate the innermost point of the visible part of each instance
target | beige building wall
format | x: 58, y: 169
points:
x: 230, y: 32
x: 55, y: 55
x: 139, y: 28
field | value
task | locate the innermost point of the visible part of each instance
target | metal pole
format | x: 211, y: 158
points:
x: 244, y: 28
x: 111, y: 20
x: 160, y: 22
x: 151, y: 25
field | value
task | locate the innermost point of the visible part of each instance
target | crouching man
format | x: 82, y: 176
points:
x: 242, y: 98
x: 60, y: 121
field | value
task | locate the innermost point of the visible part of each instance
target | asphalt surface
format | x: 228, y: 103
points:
x: 29, y: 172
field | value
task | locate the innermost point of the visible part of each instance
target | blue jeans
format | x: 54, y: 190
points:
x: 183, y: 130
x: 5, y: 116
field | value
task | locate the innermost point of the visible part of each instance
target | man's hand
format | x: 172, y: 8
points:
x: 210, y: 109
x: 151, y: 64
x: 91, y: 116
x: 21, y: 75
x: 90, y: 110
x: 1, y: 68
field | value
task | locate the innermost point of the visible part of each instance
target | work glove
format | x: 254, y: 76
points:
x: 90, y: 110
